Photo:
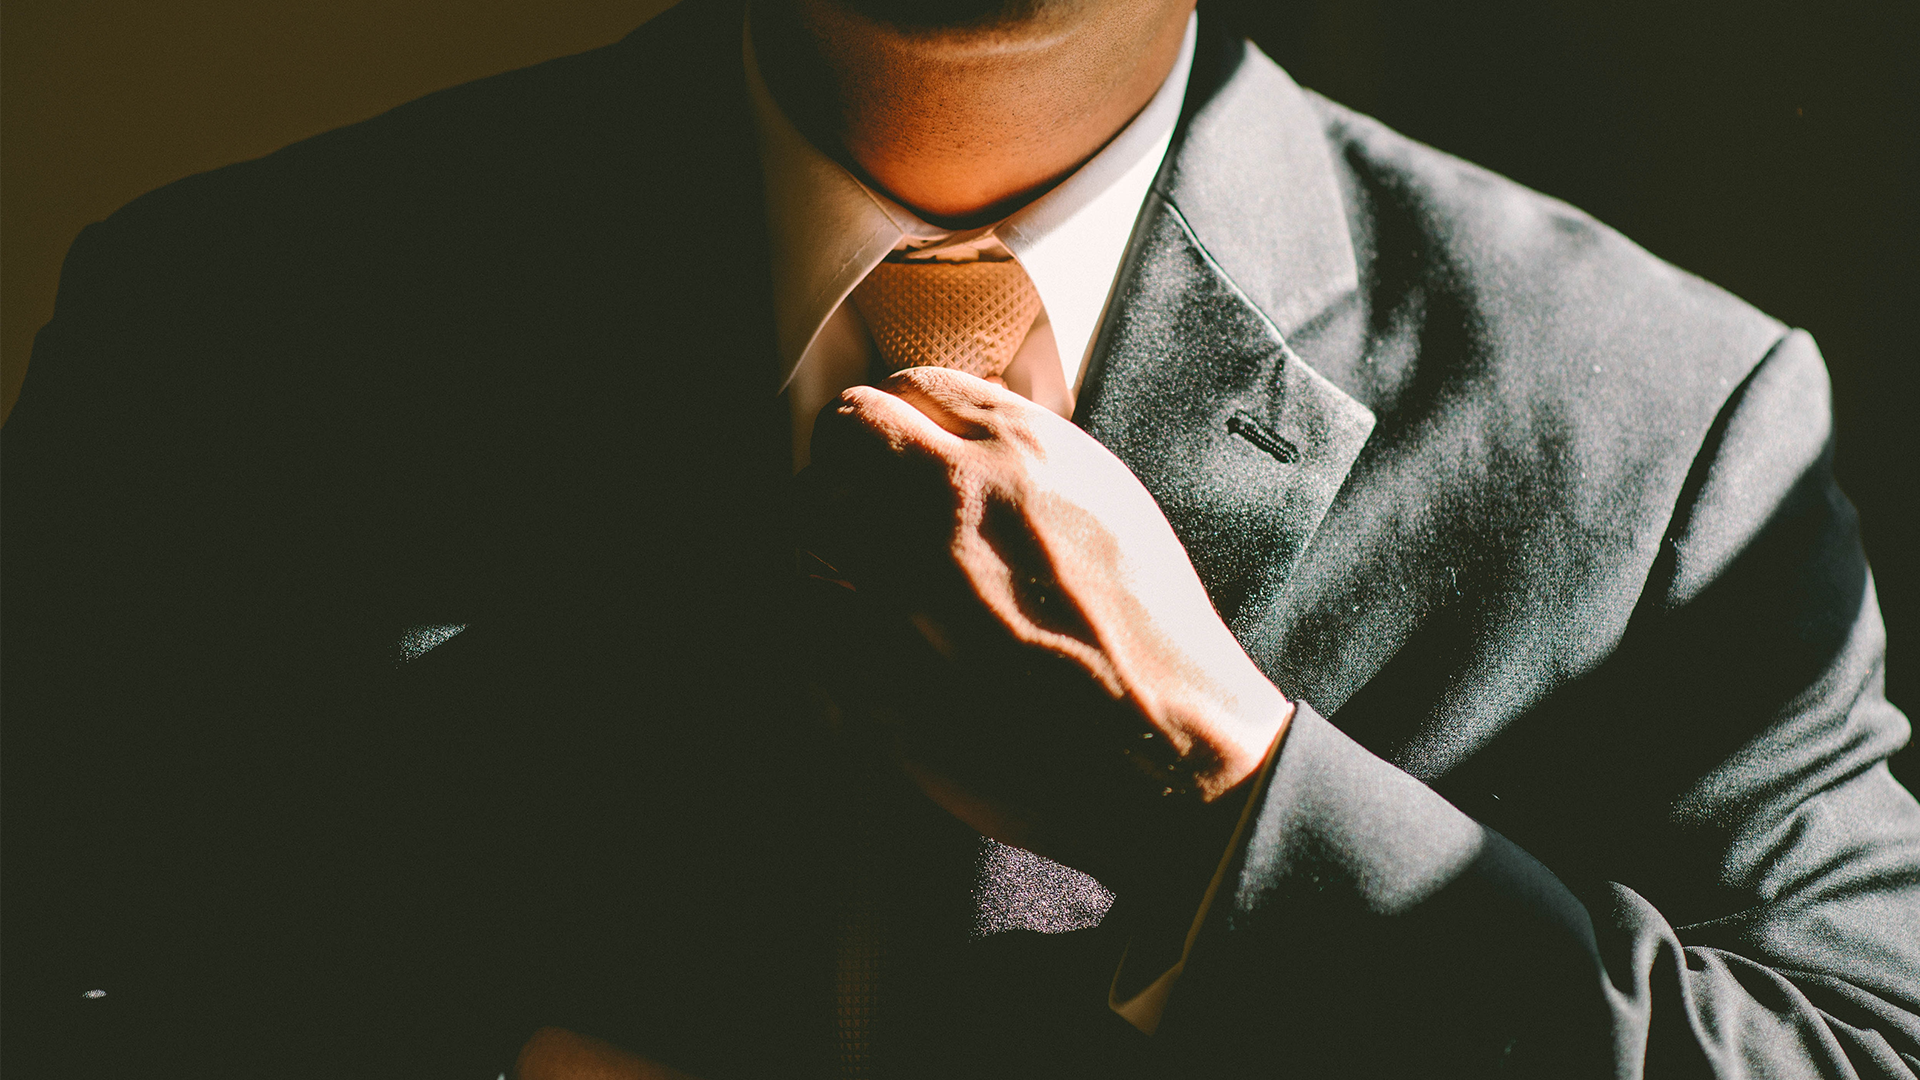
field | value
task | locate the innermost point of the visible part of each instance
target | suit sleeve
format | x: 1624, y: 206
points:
x: 1762, y: 915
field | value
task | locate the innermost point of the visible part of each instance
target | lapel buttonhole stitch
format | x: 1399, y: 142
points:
x: 1245, y: 426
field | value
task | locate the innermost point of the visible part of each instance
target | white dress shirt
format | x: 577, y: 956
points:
x: 829, y: 230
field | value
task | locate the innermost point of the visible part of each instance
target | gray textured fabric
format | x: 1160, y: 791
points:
x: 1015, y: 889
x: 1588, y: 583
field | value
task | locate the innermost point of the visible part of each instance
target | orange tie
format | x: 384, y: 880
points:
x: 968, y: 316
x: 971, y: 317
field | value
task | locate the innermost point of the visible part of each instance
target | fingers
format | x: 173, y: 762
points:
x: 870, y: 414
x: 931, y: 411
x: 863, y: 422
x: 962, y: 404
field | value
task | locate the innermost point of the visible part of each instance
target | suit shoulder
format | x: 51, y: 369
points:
x: 1535, y: 275
x: 554, y: 129
x: 430, y: 245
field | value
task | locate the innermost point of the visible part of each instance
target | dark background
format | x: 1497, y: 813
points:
x: 1768, y: 146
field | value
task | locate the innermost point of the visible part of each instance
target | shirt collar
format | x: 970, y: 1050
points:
x: 828, y: 230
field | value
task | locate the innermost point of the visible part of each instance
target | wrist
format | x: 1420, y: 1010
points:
x: 1259, y: 720
x: 1207, y: 753
x: 1177, y: 842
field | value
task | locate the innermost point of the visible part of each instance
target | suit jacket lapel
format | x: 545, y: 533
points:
x: 1192, y: 384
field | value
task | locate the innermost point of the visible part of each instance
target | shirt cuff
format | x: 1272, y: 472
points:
x: 1142, y: 1004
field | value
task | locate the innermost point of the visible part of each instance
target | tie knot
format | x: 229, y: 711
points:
x: 968, y: 316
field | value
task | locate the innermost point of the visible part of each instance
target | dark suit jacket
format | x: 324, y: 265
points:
x: 397, y: 657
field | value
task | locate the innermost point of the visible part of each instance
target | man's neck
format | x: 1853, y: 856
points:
x: 965, y: 124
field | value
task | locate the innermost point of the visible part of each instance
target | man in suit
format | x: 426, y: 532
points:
x: 406, y: 648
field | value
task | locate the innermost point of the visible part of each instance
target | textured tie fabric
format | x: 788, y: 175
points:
x: 859, y: 952
x: 890, y: 909
x: 972, y: 317
x: 969, y: 316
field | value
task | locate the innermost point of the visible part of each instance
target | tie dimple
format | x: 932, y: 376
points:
x: 968, y: 316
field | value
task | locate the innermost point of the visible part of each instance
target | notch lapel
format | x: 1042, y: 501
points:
x: 1192, y: 383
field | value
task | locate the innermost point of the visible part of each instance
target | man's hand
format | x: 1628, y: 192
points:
x: 1069, y: 647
